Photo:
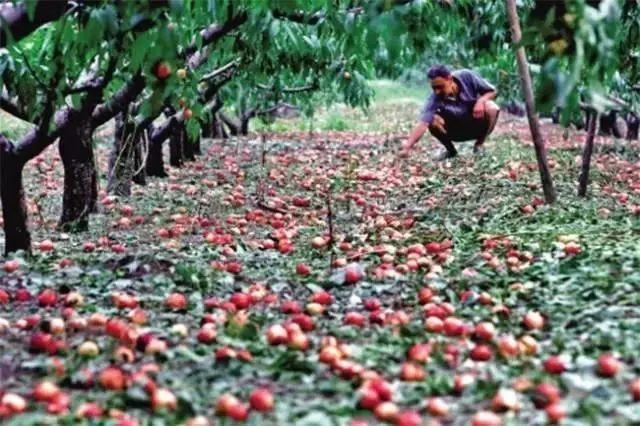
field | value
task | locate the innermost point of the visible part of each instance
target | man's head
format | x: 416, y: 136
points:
x: 442, y: 81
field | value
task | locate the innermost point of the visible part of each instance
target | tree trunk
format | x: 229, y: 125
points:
x: 140, y: 153
x: 121, y: 161
x: 188, y: 146
x: 633, y: 123
x: 197, y: 146
x: 234, y: 128
x: 218, y: 130
x: 14, y: 208
x: 155, y: 162
x: 176, y: 141
x: 534, y: 124
x: 586, y: 154
x: 80, y: 194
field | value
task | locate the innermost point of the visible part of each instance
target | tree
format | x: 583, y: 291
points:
x: 527, y: 91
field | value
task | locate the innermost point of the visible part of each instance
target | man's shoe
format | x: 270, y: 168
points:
x: 479, y: 150
x: 444, y: 155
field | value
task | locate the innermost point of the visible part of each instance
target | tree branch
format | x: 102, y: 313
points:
x: 13, y: 109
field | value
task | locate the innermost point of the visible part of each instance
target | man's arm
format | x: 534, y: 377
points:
x: 479, y: 107
x: 415, y: 135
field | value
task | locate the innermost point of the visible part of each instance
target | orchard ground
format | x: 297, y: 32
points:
x: 474, y: 231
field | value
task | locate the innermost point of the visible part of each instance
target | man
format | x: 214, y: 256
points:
x: 461, y: 108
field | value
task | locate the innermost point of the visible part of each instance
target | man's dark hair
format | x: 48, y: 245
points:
x: 438, y: 71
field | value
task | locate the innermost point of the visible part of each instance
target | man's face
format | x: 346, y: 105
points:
x: 442, y: 86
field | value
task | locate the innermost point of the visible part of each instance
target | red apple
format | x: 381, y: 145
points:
x: 608, y: 365
x: 554, y: 365
x: 176, y: 301
x: 261, y: 400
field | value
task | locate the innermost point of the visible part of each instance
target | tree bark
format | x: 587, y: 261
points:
x: 176, y: 141
x: 121, y: 161
x: 583, y: 180
x: 140, y: 154
x: 80, y: 178
x: 633, y: 124
x: 232, y: 125
x: 14, y: 208
x: 188, y: 146
x: 534, y: 124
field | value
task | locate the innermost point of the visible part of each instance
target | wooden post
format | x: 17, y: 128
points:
x: 586, y: 153
x: 527, y: 91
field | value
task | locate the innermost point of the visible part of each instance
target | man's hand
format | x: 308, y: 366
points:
x: 438, y: 124
x: 479, y: 108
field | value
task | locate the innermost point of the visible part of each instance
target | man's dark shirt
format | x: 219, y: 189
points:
x: 471, y: 86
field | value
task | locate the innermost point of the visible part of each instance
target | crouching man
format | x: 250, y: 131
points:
x: 461, y: 108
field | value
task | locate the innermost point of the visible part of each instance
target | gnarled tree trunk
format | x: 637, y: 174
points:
x: 633, y: 123
x: 14, y: 208
x: 188, y: 146
x: 121, y: 161
x: 80, y: 177
x: 176, y: 146
x: 140, y: 153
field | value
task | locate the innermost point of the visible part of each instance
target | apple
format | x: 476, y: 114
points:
x: 369, y: 399
x: 46, y: 246
x: 224, y: 403
x: 634, y: 389
x: 10, y: 266
x: 303, y: 269
x: 408, y: 418
x: 299, y: 341
x: 234, y: 268
x: 419, y: 352
x: 437, y: 407
x: 46, y: 391
x: 453, y: 326
x: 89, y: 410
x: 329, y: 355
x: 434, y: 325
x: 14, y: 402
x: 411, y: 372
x: 197, y: 421
x: 352, y: 273
x: 304, y: 321
x: 290, y: 307
x: 485, y: 418
x: 322, y: 297
x: 277, y: 335
x: 372, y: 304
x: 505, y: 399
x: 88, y: 246
x: 261, y: 399
x: 554, y: 365
x: 386, y: 411
x: 481, y: 353
x: 181, y: 73
x: 354, y: 318
x: 484, y: 331
x: 162, y: 70
x: 88, y: 349
x: 206, y: 334
x: 176, y: 301
x: 533, y: 320
x: 187, y: 114
x: 425, y: 294
x: 608, y: 365
x: 545, y: 394
x: 240, y: 300
x: 555, y: 413
x: 163, y: 399
x: 112, y: 378
x: 47, y: 297
x: 238, y: 412
x: 347, y: 75
x: 383, y: 389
